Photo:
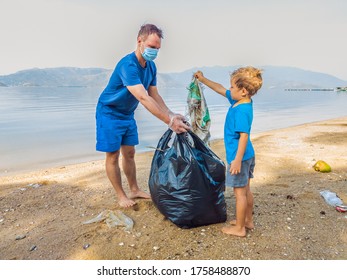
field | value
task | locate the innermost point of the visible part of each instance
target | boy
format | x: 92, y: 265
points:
x: 245, y: 82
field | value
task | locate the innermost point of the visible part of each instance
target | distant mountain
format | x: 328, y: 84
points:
x: 291, y: 77
x: 274, y: 77
x: 62, y: 76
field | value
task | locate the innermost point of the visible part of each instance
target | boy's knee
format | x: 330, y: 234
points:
x: 240, y: 191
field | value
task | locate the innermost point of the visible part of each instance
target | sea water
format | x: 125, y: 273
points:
x: 43, y: 127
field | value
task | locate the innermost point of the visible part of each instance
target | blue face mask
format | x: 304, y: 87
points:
x: 150, y: 54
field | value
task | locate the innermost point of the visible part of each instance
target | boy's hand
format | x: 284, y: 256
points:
x: 235, y: 167
x: 199, y: 75
x: 211, y: 84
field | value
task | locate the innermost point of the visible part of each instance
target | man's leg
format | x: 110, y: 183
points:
x: 129, y: 168
x: 114, y: 175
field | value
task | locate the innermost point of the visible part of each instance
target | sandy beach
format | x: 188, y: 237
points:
x: 42, y: 212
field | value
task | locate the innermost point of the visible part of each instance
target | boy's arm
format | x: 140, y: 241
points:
x: 211, y: 84
x: 235, y: 166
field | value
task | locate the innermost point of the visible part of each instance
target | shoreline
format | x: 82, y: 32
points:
x: 81, y: 161
x: 42, y: 212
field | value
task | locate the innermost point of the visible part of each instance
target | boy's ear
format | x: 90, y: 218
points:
x: 244, y: 92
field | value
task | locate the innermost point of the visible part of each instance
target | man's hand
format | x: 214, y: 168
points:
x: 178, y: 124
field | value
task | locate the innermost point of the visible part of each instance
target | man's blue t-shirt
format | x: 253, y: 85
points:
x: 238, y: 119
x: 116, y: 101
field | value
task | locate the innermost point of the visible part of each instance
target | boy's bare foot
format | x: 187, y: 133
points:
x: 126, y: 202
x: 139, y: 194
x: 234, y: 231
x: 248, y: 225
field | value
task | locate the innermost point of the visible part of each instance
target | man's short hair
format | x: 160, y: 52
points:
x: 148, y: 29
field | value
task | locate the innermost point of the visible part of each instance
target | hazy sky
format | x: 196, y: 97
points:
x: 309, y: 34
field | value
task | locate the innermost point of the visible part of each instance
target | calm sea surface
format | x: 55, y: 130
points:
x: 44, y: 127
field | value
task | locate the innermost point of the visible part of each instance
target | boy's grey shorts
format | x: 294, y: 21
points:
x: 241, y: 179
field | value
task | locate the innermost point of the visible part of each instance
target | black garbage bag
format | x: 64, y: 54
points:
x: 187, y: 181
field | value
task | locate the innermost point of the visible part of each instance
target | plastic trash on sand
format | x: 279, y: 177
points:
x: 322, y: 166
x: 331, y: 198
x: 113, y: 219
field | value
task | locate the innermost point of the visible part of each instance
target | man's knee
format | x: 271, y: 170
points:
x: 128, y: 152
x: 112, y: 157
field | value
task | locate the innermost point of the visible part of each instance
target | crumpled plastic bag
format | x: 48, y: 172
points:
x: 199, y: 116
x: 331, y: 198
x: 113, y: 219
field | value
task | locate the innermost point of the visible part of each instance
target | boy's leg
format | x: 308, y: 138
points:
x: 239, y: 228
x: 114, y: 175
x: 129, y: 167
x: 249, y: 213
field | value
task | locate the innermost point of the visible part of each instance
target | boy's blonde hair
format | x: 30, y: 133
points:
x: 249, y: 78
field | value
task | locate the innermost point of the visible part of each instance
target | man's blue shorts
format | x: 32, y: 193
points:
x: 112, y: 133
x: 241, y: 179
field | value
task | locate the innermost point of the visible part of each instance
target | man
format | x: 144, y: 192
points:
x: 133, y: 81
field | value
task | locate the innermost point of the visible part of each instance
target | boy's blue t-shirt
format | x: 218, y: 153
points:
x: 116, y: 101
x: 238, y: 119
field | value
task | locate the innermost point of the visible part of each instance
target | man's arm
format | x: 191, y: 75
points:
x: 157, y: 107
x: 153, y: 92
x: 149, y: 102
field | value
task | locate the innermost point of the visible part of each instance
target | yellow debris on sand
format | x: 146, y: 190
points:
x: 322, y: 166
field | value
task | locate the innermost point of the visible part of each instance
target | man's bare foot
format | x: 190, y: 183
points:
x: 126, y: 202
x: 139, y: 194
x: 234, y: 231
x: 248, y: 225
